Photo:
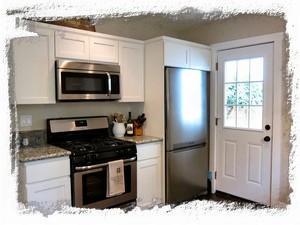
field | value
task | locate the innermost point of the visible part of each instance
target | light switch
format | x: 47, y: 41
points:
x: 25, y: 120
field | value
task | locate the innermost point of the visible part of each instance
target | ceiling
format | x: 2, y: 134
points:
x: 184, y: 19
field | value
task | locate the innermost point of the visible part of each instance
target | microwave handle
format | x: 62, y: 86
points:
x: 109, y: 83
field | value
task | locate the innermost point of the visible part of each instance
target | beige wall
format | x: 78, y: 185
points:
x: 41, y: 112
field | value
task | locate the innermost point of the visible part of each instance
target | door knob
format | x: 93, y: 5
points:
x: 267, y: 138
x: 267, y: 127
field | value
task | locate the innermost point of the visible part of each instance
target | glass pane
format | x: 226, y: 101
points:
x: 256, y: 117
x: 242, y: 116
x: 229, y: 116
x: 230, y: 94
x: 257, y: 69
x: 243, y: 94
x: 230, y: 71
x: 256, y: 97
x: 243, y: 70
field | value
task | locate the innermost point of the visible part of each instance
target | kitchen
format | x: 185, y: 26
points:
x: 38, y: 113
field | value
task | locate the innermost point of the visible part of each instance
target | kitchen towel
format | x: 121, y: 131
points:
x: 115, y: 178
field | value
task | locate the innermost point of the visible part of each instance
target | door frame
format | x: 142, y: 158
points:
x: 277, y: 39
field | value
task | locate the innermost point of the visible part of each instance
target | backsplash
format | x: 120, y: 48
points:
x: 35, y: 139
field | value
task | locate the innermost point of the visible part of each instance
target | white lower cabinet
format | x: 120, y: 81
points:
x: 149, y: 175
x: 45, y: 183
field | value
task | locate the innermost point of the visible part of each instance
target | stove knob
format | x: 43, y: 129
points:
x: 89, y: 157
x: 98, y: 156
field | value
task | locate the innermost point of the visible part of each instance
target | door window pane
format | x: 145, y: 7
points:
x: 243, y: 93
x: 230, y: 94
x: 257, y: 69
x: 256, y: 97
x: 242, y: 116
x: 230, y: 116
x: 230, y: 71
x: 243, y: 70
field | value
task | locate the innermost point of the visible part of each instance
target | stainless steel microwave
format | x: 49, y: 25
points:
x: 83, y: 81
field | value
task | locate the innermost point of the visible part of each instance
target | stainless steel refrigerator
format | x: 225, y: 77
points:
x: 186, y: 133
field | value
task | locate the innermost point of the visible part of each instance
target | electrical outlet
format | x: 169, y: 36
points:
x: 26, y: 120
x: 25, y: 142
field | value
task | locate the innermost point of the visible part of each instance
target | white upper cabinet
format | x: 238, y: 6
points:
x: 176, y: 54
x: 102, y: 49
x: 131, y: 59
x: 200, y: 58
x: 33, y: 68
x: 186, y: 54
x: 72, y: 45
x: 85, y: 47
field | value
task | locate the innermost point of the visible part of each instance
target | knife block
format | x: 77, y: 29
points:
x: 137, y: 131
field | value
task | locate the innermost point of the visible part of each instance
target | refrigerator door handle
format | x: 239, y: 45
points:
x: 189, y: 147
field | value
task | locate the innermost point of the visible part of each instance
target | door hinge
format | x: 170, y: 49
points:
x: 217, y: 66
x: 217, y: 121
x: 212, y: 175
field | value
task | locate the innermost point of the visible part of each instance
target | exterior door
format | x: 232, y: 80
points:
x: 244, y: 145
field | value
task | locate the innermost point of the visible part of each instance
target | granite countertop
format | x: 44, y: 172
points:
x: 46, y: 152
x: 143, y: 139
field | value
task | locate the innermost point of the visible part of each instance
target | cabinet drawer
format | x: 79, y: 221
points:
x: 148, y: 151
x: 46, y: 169
x: 50, y: 191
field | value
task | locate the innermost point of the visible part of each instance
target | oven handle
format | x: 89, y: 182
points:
x: 83, y: 168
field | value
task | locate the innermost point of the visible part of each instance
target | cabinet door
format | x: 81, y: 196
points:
x: 131, y: 59
x: 176, y: 54
x: 34, y: 68
x: 200, y: 58
x: 148, y: 182
x: 50, y: 191
x: 105, y: 50
x: 72, y: 45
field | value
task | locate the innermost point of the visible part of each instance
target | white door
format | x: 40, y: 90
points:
x: 244, y: 145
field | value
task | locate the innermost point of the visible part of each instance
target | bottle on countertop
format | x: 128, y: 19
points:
x: 129, y: 127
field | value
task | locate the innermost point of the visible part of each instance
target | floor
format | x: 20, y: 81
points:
x: 224, y: 197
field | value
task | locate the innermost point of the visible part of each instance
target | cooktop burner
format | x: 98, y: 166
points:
x: 95, y: 144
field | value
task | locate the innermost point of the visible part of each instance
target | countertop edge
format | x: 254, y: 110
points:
x: 143, y: 139
x: 40, y: 153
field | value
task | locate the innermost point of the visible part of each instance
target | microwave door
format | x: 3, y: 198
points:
x: 76, y: 85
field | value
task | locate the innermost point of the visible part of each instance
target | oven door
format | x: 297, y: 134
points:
x: 89, y: 190
x: 86, y: 85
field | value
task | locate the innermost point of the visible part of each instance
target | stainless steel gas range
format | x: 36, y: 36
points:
x: 91, y: 151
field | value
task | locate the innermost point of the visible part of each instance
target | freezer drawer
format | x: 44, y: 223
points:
x: 186, y: 174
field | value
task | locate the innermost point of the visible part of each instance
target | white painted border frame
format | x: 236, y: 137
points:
x: 277, y: 39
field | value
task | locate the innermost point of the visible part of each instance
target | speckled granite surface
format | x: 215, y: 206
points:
x: 46, y: 152
x: 141, y: 139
